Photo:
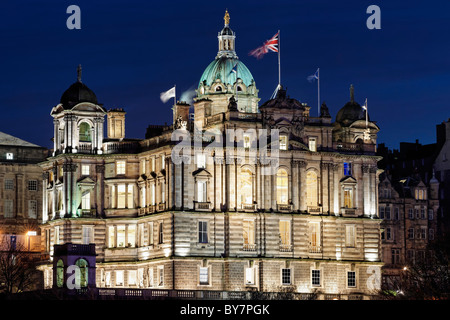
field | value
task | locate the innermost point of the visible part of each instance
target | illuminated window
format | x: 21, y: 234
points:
x: 130, y: 196
x: 246, y: 186
x: 131, y: 277
x: 120, y: 167
x: 204, y: 276
x: 201, y: 160
x: 314, y: 236
x: 315, y: 278
x: 248, y: 232
x: 141, y: 235
x: 350, y: 236
x: 111, y: 237
x: 153, y: 188
x: 85, y: 169
x: 282, y: 187
x: 56, y: 234
x: 151, y: 281
x: 351, y: 279
x: 247, y: 142
x: 203, y: 232
x: 143, y: 193
x: 9, y: 184
x: 283, y: 142
x: 108, y: 278
x: 249, y: 276
x: 160, y: 233
x: 285, y: 276
x: 163, y: 161
x: 143, y: 166
x: 311, y: 188
x: 312, y: 144
x: 150, y: 233
x: 160, y: 276
x: 32, y: 209
x: 131, y: 235
x: 285, y: 232
x: 153, y: 164
x: 85, y: 132
x: 83, y: 274
x: 60, y: 273
x: 121, y: 196
x: 201, y: 191
x: 88, y: 234
x: 119, y: 277
x: 86, y: 200
x: 9, y: 156
x: 32, y: 185
x: 348, y: 197
x: 121, y: 236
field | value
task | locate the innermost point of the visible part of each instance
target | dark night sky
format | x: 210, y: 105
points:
x: 133, y: 50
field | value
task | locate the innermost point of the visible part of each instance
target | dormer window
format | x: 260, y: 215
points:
x: 218, y: 89
x: 421, y: 194
x: 9, y: 156
x: 312, y: 144
x: 283, y: 143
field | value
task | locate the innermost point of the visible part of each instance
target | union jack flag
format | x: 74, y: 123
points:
x: 271, y: 44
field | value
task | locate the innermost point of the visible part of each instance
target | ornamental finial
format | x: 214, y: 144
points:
x: 352, y: 93
x: 79, y: 73
x: 227, y: 17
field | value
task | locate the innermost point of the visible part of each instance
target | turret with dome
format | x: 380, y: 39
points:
x: 227, y: 76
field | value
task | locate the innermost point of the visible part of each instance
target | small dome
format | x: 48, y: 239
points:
x: 226, y: 31
x: 221, y: 68
x: 351, y: 112
x: 77, y: 93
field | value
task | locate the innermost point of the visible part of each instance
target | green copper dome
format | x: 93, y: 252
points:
x: 221, y: 68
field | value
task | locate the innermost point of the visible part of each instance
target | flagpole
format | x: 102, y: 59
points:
x: 367, y: 124
x: 318, y: 92
x: 174, y: 103
x: 279, y: 64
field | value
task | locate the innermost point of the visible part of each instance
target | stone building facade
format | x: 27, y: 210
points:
x: 241, y: 197
x: 20, y: 193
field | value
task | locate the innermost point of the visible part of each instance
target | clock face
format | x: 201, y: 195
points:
x: 9, y: 156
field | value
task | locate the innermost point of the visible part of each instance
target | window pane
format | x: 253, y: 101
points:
x: 121, y: 236
x: 246, y: 186
x: 121, y: 194
x: 282, y: 187
x: 131, y: 235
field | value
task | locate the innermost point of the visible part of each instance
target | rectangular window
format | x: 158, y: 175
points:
x: 203, y: 275
x: 32, y: 185
x: 312, y: 144
x: 130, y: 196
x: 153, y: 188
x: 143, y: 167
x: 285, y: 232
x: 131, y: 277
x: 350, y: 236
x: 108, y: 278
x: 396, y: 213
x: 161, y: 233
x: 249, y: 276
x: 131, y: 235
x: 111, y: 237
x: 389, y: 234
x: 411, y: 233
x: 84, y: 169
x: 249, y: 232
x: 422, y: 213
x: 150, y: 233
x: 121, y: 236
x: 86, y: 200
x: 163, y: 161
x: 430, y: 214
x: 246, y: 141
x: 284, y: 143
x: 351, y: 279
x: 153, y: 169
x: 416, y: 210
x: 410, y: 213
x: 285, y: 276
x: 88, y: 234
x: 121, y: 196
x: 423, y: 233
x: 314, y: 233
x: 9, y: 205
x: 56, y: 234
x: 141, y: 235
x: 143, y: 194
x: 119, y: 278
x: 388, y: 213
x: 201, y: 191
x: 160, y: 276
x: 203, y: 232
x: 9, y: 184
x: 381, y: 209
x: 348, y: 197
x: 120, y: 167
x: 395, y: 253
x: 315, y: 278
x: 201, y: 160
x: 431, y: 234
x: 347, y: 168
x: 32, y: 209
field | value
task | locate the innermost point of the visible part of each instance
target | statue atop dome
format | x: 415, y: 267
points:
x: 226, y: 18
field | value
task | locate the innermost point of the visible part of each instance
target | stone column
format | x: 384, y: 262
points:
x: 365, y: 169
x: 56, y: 137
x: 295, y: 185
x: 325, y: 187
x: 302, y: 203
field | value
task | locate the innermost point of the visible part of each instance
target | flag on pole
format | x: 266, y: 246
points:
x: 365, y: 105
x: 165, y: 96
x: 314, y: 76
x: 234, y: 69
x: 269, y: 45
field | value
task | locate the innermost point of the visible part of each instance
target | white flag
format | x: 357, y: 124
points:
x: 365, y: 105
x: 165, y: 96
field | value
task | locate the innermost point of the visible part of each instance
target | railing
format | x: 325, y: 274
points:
x: 120, y: 147
x: 146, y: 210
x: 202, y: 206
x: 285, y: 248
x: 354, y: 147
x: 315, y: 249
x: 314, y: 210
x: 85, y: 147
x: 88, y: 213
x: 161, y: 207
x: 249, y: 247
x: 348, y: 211
x: 284, y: 207
x: 249, y: 207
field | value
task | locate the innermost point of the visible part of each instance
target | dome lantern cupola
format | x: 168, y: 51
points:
x: 226, y: 40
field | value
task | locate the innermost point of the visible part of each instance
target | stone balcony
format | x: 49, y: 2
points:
x: 202, y: 206
x: 314, y: 209
x: 284, y: 207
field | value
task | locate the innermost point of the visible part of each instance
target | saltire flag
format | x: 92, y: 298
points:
x: 234, y: 69
x: 314, y: 76
x: 269, y: 45
x: 165, y: 96
x: 365, y: 105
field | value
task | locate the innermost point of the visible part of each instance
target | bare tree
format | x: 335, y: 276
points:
x: 18, y: 271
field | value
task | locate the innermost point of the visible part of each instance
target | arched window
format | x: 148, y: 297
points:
x: 218, y: 89
x: 311, y: 189
x: 85, y: 132
x: 84, y: 268
x: 282, y: 187
x: 239, y: 88
x: 246, y: 186
x: 59, y: 273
